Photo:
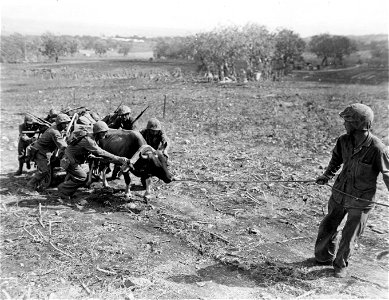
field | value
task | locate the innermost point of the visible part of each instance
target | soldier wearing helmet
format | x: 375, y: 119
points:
x: 76, y: 153
x: 362, y: 157
x: 155, y: 136
x: 53, y: 113
x: 27, y: 134
x: 46, y: 146
x: 124, y: 119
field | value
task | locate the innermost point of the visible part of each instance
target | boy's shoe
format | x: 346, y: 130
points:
x: 340, y: 272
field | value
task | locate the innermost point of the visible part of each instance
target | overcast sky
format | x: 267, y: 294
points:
x: 156, y: 17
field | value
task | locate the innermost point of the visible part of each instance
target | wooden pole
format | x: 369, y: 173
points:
x: 164, y: 105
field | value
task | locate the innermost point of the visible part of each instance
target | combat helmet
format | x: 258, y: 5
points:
x: 153, y: 124
x: 100, y: 126
x: 53, y: 113
x: 62, y: 118
x: 28, y: 120
x: 359, y: 115
x: 123, y: 110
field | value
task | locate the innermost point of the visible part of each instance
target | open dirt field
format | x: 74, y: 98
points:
x: 195, y: 240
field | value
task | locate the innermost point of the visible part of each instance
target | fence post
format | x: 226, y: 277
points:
x: 164, y: 105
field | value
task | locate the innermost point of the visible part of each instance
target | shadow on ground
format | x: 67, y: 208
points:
x: 96, y: 199
x: 263, y: 274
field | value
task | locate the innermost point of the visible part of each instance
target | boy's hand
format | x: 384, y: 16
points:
x: 322, y: 179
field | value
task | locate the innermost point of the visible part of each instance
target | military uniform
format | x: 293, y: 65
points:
x: 52, y: 116
x: 25, y: 139
x: 75, y: 155
x: 154, y: 138
x: 123, y: 119
x: 123, y: 124
x: 110, y: 118
x: 50, y: 141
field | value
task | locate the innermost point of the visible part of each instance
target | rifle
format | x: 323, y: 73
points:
x: 70, y: 124
x: 136, y: 119
x: 30, y: 131
x: 117, y: 108
x: 65, y: 111
x: 40, y: 121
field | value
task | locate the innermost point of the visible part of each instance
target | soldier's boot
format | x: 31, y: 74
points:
x: 28, y: 164
x: 20, y: 170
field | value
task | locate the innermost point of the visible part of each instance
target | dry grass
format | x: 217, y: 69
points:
x: 229, y: 240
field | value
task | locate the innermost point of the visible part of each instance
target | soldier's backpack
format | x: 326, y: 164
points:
x: 77, y: 136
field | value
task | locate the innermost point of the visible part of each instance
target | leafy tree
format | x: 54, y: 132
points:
x: 71, y: 46
x: 18, y: 48
x: 173, y: 47
x: 343, y: 46
x: 52, y: 46
x: 288, y: 45
x: 100, y: 47
x: 379, y: 49
x: 125, y: 48
x: 326, y: 46
x: 258, y: 45
x: 321, y: 45
x: 88, y: 42
x: 13, y: 47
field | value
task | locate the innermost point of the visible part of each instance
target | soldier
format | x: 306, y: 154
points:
x: 51, y: 116
x: 124, y: 120
x: 27, y: 132
x: 155, y: 136
x: 363, y: 157
x: 50, y: 141
x: 86, y: 117
x: 76, y: 153
x: 110, y: 118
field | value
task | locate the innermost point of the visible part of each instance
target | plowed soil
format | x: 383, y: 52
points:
x: 194, y: 239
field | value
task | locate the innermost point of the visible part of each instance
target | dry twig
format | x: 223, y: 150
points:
x: 218, y: 236
x: 306, y: 294
x: 30, y: 234
x: 85, y: 287
x: 249, y: 196
x: 59, y: 250
x: 293, y: 239
x: 40, y: 219
x: 105, y: 271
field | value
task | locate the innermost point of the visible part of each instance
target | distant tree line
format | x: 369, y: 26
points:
x: 20, y: 48
x: 226, y: 51
x: 221, y: 50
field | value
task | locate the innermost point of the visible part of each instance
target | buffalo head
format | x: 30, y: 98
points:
x: 152, y: 163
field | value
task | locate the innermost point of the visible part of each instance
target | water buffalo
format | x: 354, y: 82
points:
x: 145, y: 161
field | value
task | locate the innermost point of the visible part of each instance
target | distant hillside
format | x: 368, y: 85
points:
x: 365, y: 39
x: 369, y: 38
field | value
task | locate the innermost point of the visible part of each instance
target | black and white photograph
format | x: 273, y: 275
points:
x: 194, y: 149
